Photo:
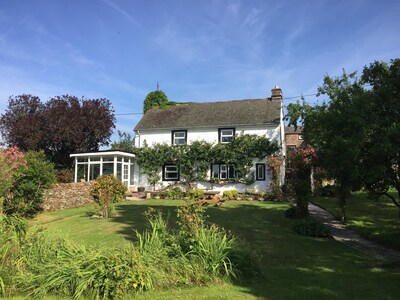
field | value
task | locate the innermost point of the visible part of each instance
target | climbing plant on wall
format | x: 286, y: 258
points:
x: 194, y: 160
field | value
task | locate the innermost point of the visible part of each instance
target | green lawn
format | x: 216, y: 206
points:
x: 294, y: 267
x: 376, y: 219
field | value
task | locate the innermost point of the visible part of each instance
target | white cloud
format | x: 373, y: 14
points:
x: 121, y: 11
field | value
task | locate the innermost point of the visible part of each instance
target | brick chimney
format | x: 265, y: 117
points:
x: 276, y: 93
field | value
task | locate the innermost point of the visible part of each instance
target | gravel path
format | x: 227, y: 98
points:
x: 345, y: 235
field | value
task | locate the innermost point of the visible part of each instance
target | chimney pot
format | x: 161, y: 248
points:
x: 276, y: 93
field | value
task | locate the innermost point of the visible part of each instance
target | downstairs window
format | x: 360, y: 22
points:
x: 170, y: 173
x: 222, y: 171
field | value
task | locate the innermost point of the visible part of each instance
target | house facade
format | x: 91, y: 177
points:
x: 293, y: 138
x: 213, y: 122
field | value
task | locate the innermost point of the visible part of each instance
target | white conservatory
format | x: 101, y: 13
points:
x: 88, y: 166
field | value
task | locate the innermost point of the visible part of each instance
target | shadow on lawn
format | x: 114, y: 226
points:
x: 293, y: 267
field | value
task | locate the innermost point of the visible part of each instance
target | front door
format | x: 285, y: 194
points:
x: 125, y: 174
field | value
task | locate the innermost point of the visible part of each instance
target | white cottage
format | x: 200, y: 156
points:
x: 213, y: 122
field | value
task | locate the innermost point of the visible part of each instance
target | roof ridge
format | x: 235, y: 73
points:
x: 223, y: 101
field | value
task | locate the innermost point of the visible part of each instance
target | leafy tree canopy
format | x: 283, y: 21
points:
x: 61, y: 126
x: 356, y: 131
x: 126, y: 142
x: 155, y: 98
x: 381, y: 150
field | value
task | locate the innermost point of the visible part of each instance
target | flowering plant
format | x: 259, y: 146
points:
x: 274, y: 162
x: 106, y: 191
x: 11, y: 160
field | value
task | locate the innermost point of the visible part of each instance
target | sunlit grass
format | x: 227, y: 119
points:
x: 376, y: 219
x: 293, y: 266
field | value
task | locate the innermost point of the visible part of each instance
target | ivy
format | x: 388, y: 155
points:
x: 194, y: 160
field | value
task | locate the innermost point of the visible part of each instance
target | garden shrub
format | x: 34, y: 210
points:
x: 327, y: 191
x: 309, y: 227
x: 106, y: 191
x: 27, y: 193
x: 196, y: 193
x: 65, y: 176
x: 275, y: 195
x: 231, y: 194
x: 173, y: 193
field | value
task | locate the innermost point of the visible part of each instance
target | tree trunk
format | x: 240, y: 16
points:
x: 342, y: 204
x: 312, y: 181
x: 394, y: 199
x: 302, y: 206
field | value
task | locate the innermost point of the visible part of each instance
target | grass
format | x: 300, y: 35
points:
x: 294, y: 267
x: 375, y: 219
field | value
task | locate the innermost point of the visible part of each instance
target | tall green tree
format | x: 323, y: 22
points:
x: 336, y: 129
x: 126, y: 142
x: 356, y: 132
x: 381, y: 152
x: 155, y: 98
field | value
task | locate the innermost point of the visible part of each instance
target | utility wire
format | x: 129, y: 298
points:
x: 138, y: 113
x: 308, y: 95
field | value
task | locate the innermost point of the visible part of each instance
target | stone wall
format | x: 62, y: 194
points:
x: 67, y: 195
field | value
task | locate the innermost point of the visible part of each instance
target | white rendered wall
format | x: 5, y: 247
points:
x: 273, y: 133
x: 259, y: 185
x: 203, y: 134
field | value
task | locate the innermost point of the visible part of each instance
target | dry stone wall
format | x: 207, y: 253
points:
x: 67, y: 195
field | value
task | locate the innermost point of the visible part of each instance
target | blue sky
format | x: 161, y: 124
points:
x: 196, y: 50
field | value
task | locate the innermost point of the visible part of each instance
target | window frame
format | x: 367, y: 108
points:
x: 300, y: 137
x: 228, y: 172
x: 173, y: 137
x: 220, y: 136
x: 165, y: 172
x: 263, y: 168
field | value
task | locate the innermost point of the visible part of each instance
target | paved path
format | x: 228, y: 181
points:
x: 345, y: 235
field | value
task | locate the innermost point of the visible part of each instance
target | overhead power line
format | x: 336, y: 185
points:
x: 128, y: 114
x: 308, y: 95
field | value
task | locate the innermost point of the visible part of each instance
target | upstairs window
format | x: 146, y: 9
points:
x: 170, y: 173
x: 260, y: 172
x: 222, y: 171
x: 179, y: 137
x: 226, y: 135
x: 300, y: 136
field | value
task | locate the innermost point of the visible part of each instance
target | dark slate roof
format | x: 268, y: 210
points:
x: 213, y: 114
x: 292, y: 130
